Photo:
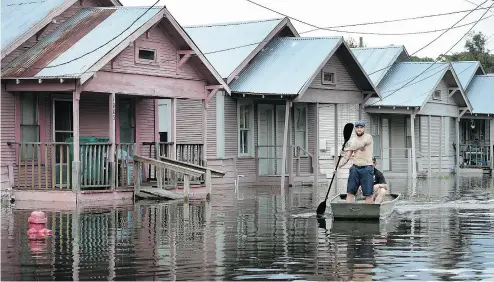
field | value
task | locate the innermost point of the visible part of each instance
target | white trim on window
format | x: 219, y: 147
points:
x: 245, y: 131
x: 328, y: 77
x: 436, y: 95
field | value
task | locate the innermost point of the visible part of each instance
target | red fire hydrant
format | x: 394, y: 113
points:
x: 37, y: 224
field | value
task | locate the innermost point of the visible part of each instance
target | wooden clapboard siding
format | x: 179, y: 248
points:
x: 211, y: 136
x: 435, y: 142
x: 166, y: 62
x: 344, y: 80
x: 145, y: 123
x: 60, y: 19
x: 189, y: 122
x: 231, y: 137
x: 397, y: 131
x: 94, y: 115
x: 444, y: 95
x: 424, y: 144
x: 311, y: 128
x: 8, y: 112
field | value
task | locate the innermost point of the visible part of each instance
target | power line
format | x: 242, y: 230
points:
x: 331, y: 29
x: 395, y: 20
x: 444, y: 52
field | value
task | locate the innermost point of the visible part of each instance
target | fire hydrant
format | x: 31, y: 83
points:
x: 37, y: 226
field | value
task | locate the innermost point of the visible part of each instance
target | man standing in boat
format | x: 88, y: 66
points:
x: 362, y: 170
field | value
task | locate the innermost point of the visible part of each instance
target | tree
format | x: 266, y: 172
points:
x: 352, y: 43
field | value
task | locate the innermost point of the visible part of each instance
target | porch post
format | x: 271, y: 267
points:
x: 457, y: 137
x: 112, y: 134
x: 76, y: 164
x: 207, y: 176
x: 316, y: 153
x: 414, y: 157
x: 291, y: 124
x: 173, y: 130
x: 441, y: 139
x: 285, y: 144
x: 430, y: 151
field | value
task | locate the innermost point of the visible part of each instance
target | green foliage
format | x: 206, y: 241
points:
x: 475, y: 50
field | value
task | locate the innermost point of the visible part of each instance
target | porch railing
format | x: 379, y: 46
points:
x: 48, y: 165
x: 475, y: 155
x: 188, y: 153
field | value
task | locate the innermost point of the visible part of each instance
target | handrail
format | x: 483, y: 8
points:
x: 305, y: 151
x: 193, y: 166
x: 174, y: 167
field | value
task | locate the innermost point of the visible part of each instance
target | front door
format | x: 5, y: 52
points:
x: 266, y: 139
x: 62, y: 130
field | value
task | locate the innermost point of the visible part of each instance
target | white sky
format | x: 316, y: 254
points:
x: 326, y: 13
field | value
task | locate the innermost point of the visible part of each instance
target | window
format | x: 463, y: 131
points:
x: 327, y: 77
x: 245, y: 128
x: 375, y: 132
x: 29, y: 124
x: 146, y: 54
x: 301, y: 135
x: 437, y: 95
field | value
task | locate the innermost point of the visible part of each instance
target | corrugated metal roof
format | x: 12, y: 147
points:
x: 416, y: 92
x: 87, y: 30
x: 285, y: 65
x: 375, y: 60
x: 216, y: 37
x: 480, y: 92
x: 19, y: 16
x: 465, y: 70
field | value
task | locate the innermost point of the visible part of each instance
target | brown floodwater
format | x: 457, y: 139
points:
x: 441, y: 229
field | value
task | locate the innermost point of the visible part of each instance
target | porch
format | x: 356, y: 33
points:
x: 48, y: 166
x: 476, y: 142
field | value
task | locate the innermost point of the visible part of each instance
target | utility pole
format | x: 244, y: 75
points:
x: 361, y: 41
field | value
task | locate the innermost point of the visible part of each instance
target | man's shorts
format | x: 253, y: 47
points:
x: 361, y: 176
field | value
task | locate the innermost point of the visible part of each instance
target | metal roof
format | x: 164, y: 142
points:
x: 19, y: 17
x: 221, y: 37
x: 59, y: 54
x: 285, y: 65
x: 480, y: 92
x: 375, y: 61
x: 416, y: 92
x: 465, y: 70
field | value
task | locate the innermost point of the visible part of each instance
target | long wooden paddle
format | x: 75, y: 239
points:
x: 347, y: 133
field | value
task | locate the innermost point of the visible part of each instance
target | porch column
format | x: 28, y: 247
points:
x: 112, y: 134
x: 285, y: 144
x: 173, y: 130
x: 207, y: 176
x: 457, y: 137
x: 316, y: 154
x: 414, y: 157
x: 76, y: 164
x: 290, y: 149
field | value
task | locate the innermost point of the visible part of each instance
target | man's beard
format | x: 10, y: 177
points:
x: 360, y: 134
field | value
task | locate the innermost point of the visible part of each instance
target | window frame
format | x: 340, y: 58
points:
x: 146, y: 47
x: 297, y: 106
x: 250, y: 145
x: 434, y: 97
x: 29, y: 159
x: 325, y: 82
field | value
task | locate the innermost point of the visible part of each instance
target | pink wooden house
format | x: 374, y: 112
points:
x: 84, y: 99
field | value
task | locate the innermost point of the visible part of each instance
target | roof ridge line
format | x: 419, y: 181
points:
x: 232, y: 23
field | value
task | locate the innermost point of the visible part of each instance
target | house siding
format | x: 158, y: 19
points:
x: 398, y: 162
x: 211, y: 128
x: 7, y: 130
x: 327, y: 138
x: 344, y: 80
x: 189, y: 122
x: 231, y: 137
x: 145, y: 121
x: 49, y: 29
x: 166, y: 58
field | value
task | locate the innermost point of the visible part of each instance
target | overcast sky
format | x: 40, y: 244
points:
x: 326, y: 13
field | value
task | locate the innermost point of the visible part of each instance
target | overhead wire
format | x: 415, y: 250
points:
x: 433, y: 63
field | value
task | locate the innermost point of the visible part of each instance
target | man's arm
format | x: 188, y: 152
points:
x: 359, y: 144
x: 345, y: 159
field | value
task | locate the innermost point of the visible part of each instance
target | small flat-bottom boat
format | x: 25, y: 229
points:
x: 340, y: 209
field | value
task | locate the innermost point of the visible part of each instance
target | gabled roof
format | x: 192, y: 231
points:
x: 22, y: 19
x: 378, y: 60
x: 228, y: 45
x: 417, y: 92
x: 79, y: 47
x: 480, y: 92
x: 287, y: 65
x: 465, y: 70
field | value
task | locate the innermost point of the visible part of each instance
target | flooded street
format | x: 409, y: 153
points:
x: 442, y: 229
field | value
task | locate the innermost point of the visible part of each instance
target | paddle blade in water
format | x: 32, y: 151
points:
x: 347, y: 131
x: 321, y: 208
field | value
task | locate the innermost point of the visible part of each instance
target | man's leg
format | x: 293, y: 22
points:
x: 367, y: 182
x: 352, y: 185
x: 381, y: 192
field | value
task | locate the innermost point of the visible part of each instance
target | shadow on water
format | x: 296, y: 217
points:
x: 441, y: 230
